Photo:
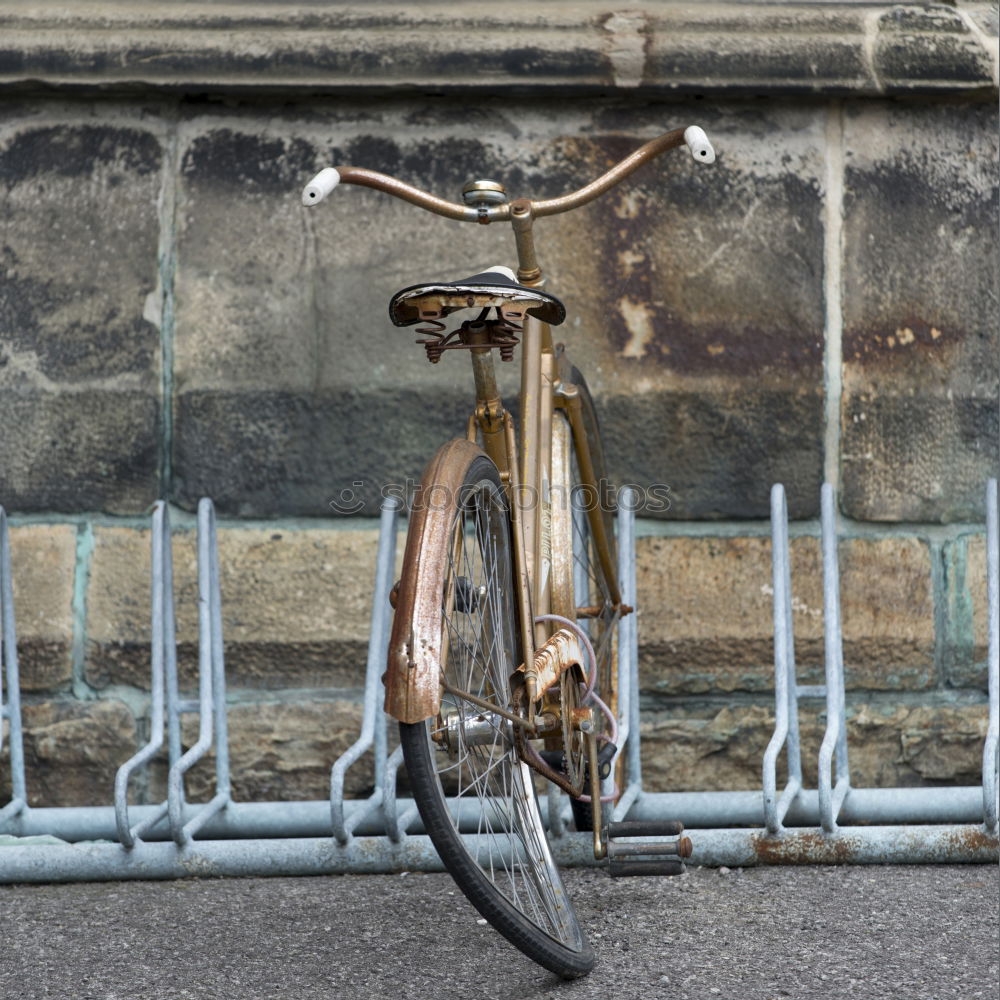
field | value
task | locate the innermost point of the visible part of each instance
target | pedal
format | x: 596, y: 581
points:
x: 628, y: 856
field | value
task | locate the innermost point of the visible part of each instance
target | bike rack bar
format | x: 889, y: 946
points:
x: 555, y: 810
x: 628, y: 658
x: 935, y: 844
x: 831, y: 798
x: 991, y: 750
x: 373, y: 725
x: 699, y: 810
x: 786, y: 727
x: 163, y: 659
x: 396, y: 824
x: 833, y: 823
x: 883, y: 806
x: 10, y: 709
x: 211, y: 691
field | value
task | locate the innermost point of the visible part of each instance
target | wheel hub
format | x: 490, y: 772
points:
x: 484, y: 729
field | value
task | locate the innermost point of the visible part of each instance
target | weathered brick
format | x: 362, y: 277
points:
x: 717, y: 453
x: 892, y: 747
x: 699, y: 328
x: 303, y: 454
x: 706, y: 619
x: 281, y: 314
x: 72, y: 750
x: 925, y: 48
x: 79, y: 362
x: 701, y: 332
x: 43, y: 561
x: 975, y: 569
x: 278, y: 752
x: 295, y: 606
x: 920, y: 415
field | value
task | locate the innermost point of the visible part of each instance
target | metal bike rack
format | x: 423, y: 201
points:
x: 10, y: 700
x: 833, y: 823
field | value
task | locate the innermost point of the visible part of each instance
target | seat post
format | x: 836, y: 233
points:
x: 489, y: 405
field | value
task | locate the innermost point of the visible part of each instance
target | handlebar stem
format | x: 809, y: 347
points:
x: 522, y: 217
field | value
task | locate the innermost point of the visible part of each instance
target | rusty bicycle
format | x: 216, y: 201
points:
x: 503, y: 667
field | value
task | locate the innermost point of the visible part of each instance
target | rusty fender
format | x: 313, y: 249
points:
x: 413, y: 675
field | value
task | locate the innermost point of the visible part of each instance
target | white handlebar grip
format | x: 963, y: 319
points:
x: 320, y: 186
x: 701, y: 148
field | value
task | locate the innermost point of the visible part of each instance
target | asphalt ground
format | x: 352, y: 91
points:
x: 862, y: 933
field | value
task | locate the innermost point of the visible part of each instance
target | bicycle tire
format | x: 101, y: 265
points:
x: 507, y: 871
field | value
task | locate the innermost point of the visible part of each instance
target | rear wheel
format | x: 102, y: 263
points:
x: 475, y: 796
x: 583, y: 589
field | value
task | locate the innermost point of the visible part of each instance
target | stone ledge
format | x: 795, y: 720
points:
x: 666, y: 48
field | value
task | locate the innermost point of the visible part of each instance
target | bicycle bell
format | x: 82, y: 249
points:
x: 484, y: 194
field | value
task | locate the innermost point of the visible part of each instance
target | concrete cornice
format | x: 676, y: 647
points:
x: 659, y: 48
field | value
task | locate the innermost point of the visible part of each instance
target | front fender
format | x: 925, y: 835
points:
x: 413, y: 674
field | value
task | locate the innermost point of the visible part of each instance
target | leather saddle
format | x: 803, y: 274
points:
x: 494, y: 288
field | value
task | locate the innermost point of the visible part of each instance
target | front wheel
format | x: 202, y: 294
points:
x: 475, y: 796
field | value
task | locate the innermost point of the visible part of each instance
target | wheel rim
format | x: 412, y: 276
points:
x: 491, y: 791
x: 581, y: 583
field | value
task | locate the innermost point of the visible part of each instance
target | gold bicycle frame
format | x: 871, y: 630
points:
x: 417, y: 648
x: 524, y: 465
x: 525, y: 470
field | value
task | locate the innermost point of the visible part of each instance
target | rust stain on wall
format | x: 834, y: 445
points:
x: 908, y: 335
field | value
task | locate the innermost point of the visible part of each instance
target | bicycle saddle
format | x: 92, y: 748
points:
x: 496, y: 287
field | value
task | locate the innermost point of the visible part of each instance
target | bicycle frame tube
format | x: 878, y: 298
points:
x: 531, y: 364
x: 526, y: 471
x: 570, y: 402
x: 538, y: 373
x: 412, y: 689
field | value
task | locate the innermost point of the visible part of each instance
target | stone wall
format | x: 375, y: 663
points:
x: 821, y: 304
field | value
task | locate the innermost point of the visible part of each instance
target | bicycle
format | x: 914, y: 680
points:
x: 508, y: 605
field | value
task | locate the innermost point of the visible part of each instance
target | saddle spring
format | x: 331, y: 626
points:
x: 498, y: 333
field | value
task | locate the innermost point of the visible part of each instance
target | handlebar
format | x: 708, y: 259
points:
x: 328, y: 179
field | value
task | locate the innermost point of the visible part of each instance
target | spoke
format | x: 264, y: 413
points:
x: 512, y: 851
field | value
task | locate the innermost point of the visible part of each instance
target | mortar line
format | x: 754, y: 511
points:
x: 653, y: 702
x: 833, y: 350
x: 167, y: 253
x: 959, y: 611
x: 81, y: 577
x: 939, y: 610
x: 185, y: 521
x: 869, y: 43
